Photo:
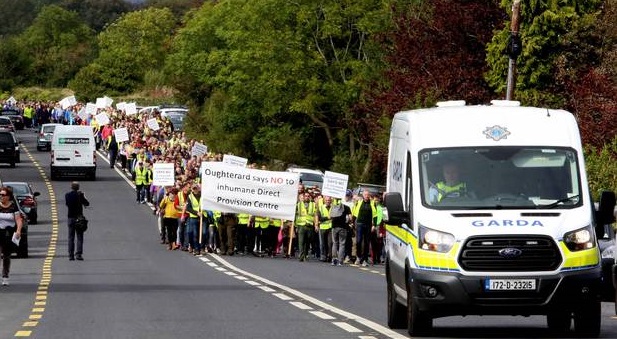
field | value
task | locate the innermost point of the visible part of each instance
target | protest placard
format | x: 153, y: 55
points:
x: 120, y: 106
x: 11, y: 101
x: 335, y: 184
x: 130, y: 108
x: 122, y: 134
x: 163, y: 174
x: 235, y: 189
x: 90, y: 108
x: 235, y: 160
x: 153, y: 124
x: 199, y: 149
x: 102, y: 118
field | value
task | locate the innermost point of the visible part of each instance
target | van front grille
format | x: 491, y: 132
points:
x: 510, y: 254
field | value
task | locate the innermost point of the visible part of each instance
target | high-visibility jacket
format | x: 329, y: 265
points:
x: 149, y: 177
x: 305, y: 215
x: 194, y: 202
x: 140, y: 175
x: 453, y: 191
x: 276, y: 222
x: 324, y: 212
x: 356, y: 209
x: 243, y: 218
x: 262, y: 222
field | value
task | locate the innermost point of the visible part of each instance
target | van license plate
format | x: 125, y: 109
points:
x: 510, y: 284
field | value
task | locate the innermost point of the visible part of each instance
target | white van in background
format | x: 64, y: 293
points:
x: 73, y: 152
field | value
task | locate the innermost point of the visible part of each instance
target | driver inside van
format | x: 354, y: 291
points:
x: 450, y: 187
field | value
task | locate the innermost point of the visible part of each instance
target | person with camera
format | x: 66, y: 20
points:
x: 75, y: 201
x: 11, y: 223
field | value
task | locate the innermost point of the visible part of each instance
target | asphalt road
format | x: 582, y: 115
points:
x: 130, y: 286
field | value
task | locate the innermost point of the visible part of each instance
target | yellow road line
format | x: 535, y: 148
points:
x: 40, y: 298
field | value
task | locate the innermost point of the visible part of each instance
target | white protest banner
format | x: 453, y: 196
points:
x: 82, y: 114
x: 163, y: 174
x: 235, y: 160
x: 199, y: 149
x: 108, y: 101
x: 100, y: 102
x: 122, y: 134
x: 90, y: 108
x: 235, y: 189
x: 120, y: 106
x: 130, y: 108
x: 102, y: 118
x: 153, y: 124
x: 11, y: 101
x: 68, y: 102
x: 334, y: 184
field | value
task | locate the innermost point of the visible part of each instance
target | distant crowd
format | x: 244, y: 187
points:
x: 345, y: 231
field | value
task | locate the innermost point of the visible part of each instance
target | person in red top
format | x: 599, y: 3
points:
x: 179, y: 202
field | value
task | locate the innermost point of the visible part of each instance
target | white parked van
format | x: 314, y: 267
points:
x: 488, y: 212
x: 73, y: 152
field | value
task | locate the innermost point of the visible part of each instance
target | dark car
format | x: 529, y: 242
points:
x: 46, y: 132
x: 15, y: 116
x: 372, y: 188
x: 177, y: 120
x: 9, y: 148
x: 6, y: 124
x: 26, y: 198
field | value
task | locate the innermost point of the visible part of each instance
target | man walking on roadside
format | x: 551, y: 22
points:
x: 75, y: 201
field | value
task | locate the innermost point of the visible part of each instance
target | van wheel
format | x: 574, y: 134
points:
x: 396, y: 310
x: 418, y: 324
x: 588, y: 319
x: 559, y: 321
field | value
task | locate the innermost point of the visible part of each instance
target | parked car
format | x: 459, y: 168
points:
x: 46, y: 132
x: 26, y: 197
x: 177, y: 121
x: 309, y: 177
x: 9, y: 148
x: 6, y: 124
x: 372, y: 188
x: 15, y: 116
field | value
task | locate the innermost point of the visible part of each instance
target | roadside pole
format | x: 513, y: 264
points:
x: 514, y: 48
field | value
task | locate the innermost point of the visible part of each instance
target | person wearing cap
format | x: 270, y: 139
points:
x: 75, y: 201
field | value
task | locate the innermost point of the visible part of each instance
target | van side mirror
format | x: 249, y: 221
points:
x: 395, y: 211
x: 606, y: 211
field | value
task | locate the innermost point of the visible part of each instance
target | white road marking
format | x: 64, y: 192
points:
x: 318, y: 303
x: 301, y: 305
x: 282, y: 296
x: 322, y: 315
x: 266, y: 289
x: 347, y: 327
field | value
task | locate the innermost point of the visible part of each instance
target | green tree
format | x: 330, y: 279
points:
x: 58, y: 43
x: 98, y: 13
x: 301, y: 64
x: 13, y: 64
x: 546, y: 32
x: 128, y: 48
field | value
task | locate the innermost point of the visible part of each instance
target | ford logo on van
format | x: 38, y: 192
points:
x: 510, y: 252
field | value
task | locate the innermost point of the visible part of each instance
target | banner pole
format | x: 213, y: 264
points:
x: 291, y: 238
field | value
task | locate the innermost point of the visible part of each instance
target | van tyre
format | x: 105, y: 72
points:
x: 559, y: 321
x: 418, y: 323
x: 396, y: 310
x: 588, y: 319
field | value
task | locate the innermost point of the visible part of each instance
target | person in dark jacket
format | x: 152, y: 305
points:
x: 75, y: 201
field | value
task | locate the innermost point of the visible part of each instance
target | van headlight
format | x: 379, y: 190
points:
x: 580, y: 239
x: 432, y: 240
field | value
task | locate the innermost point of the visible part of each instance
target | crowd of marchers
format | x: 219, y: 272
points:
x: 337, y: 231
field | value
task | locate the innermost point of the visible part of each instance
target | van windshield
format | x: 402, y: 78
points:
x: 500, y: 178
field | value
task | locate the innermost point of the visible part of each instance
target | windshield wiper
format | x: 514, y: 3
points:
x: 554, y: 204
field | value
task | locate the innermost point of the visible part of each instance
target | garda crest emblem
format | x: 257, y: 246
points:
x: 496, y: 133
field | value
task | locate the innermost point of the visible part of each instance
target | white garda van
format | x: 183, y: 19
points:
x: 488, y: 212
x: 73, y: 152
